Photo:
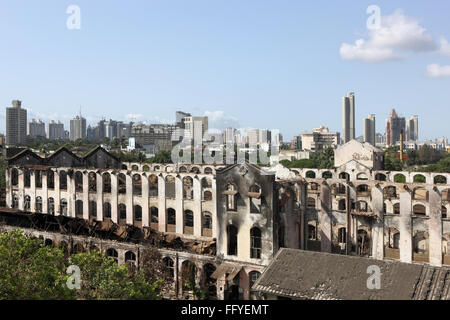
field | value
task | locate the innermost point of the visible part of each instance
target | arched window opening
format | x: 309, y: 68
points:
x: 206, y: 224
x: 27, y: 203
x: 79, y: 209
x: 170, y: 187
x: 256, y: 243
x: 78, y: 181
x: 188, y: 222
x: 112, y: 253
x: 153, y: 185
x: 50, y: 179
x: 171, y: 220
x: 51, y: 206
x: 63, y: 207
x: 188, y: 190
x: 122, y: 183
x: 137, y: 185
x: 38, y: 204
x: 92, y: 209
x: 14, y: 177
x: 63, y: 180
x: 232, y: 240
x: 92, y: 182
x: 106, y: 182
x: 106, y: 210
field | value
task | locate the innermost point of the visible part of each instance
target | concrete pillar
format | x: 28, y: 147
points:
x: 214, y: 213
x: 99, y: 196
x: 197, y: 206
x: 179, y: 204
x: 32, y: 191
x: 57, y: 193
x: 303, y: 224
x: 21, y: 189
x: 44, y: 192
x: 405, y: 227
x: 145, y: 201
x: 129, y: 199
x: 114, y: 200
x: 378, y: 224
x: 435, y: 227
x: 324, y: 216
x: 72, y: 195
x: 162, y: 214
x: 8, y: 188
x: 86, y: 195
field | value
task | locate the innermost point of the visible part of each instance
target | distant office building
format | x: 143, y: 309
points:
x: 320, y: 139
x: 229, y: 136
x: 195, y: 128
x: 36, y: 128
x: 16, y: 124
x: 180, y: 115
x: 55, y: 130
x: 369, y: 129
x: 394, y: 126
x: 78, y: 128
x: 412, y: 129
x: 348, y: 117
x: 296, y: 143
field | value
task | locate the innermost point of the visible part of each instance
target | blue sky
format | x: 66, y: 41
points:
x: 247, y: 63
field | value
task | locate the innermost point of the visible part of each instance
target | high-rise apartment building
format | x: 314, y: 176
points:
x: 36, y: 128
x: 348, y: 117
x: 55, y: 130
x: 412, y: 129
x: 394, y: 126
x: 16, y: 123
x: 369, y: 129
x: 195, y: 128
x: 320, y: 139
x: 77, y: 128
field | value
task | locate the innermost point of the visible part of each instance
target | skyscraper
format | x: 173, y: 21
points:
x: 394, y: 126
x: 348, y: 117
x: 369, y: 129
x: 77, y: 128
x: 16, y: 123
x: 55, y: 130
x: 36, y: 128
x: 412, y: 129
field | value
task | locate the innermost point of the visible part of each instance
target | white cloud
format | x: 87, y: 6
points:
x: 445, y: 47
x: 220, y: 121
x: 397, y: 32
x: 133, y: 116
x: 437, y: 71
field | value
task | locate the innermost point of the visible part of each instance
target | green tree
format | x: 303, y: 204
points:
x: 103, y: 278
x: 163, y: 156
x: 30, y: 270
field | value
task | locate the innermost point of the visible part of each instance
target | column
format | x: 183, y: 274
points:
x: 405, y: 227
x: 21, y: 189
x: 99, y: 197
x: 114, y: 204
x: 145, y: 201
x: 162, y: 203
x: 44, y: 192
x: 197, y: 206
x: 57, y: 196
x: 8, y: 188
x: 435, y: 227
x: 129, y: 199
x: 378, y: 224
x: 214, y: 213
x: 86, y: 195
x: 324, y: 216
x: 72, y: 195
x: 179, y: 204
x: 33, y: 191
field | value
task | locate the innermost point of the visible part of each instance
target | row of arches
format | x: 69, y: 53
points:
x: 171, y: 168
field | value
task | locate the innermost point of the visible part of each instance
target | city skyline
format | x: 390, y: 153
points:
x: 222, y: 66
